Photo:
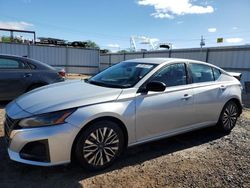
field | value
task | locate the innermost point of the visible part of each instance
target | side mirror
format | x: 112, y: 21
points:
x: 155, y: 86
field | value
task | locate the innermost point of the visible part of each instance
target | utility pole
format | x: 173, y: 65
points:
x: 202, y: 43
x: 11, y: 36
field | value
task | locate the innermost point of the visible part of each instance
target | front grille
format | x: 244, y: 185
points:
x: 9, y: 125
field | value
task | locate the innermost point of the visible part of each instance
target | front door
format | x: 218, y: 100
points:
x: 159, y: 113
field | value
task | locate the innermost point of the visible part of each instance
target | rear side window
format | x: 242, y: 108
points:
x: 32, y: 66
x: 201, y: 73
x: 11, y: 64
x: 172, y: 75
x: 217, y: 73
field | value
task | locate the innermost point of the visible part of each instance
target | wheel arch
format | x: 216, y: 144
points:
x: 110, y: 118
x: 237, y: 102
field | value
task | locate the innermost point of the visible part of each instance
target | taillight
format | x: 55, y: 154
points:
x: 62, y: 73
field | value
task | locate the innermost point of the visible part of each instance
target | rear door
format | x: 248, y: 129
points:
x: 13, y: 76
x: 209, y: 92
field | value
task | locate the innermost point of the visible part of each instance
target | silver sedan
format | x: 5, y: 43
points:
x: 130, y: 103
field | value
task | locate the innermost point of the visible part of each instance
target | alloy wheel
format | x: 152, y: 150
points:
x: 230, y: 115
x: 101, y: 146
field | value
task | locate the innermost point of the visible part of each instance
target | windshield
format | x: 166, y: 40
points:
x: 122, y: 75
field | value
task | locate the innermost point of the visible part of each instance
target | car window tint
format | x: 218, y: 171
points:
x: 172, y: 75
x: 217, y: 73
x: 32, y: 66
x: 201, y: 73
x: 11, y: 64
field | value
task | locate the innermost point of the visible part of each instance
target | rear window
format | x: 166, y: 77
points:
x: 32, y: 66
x: 201, y: 73
x: 217, y: 73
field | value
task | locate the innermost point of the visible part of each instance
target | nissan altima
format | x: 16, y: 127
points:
x: 130, y: 103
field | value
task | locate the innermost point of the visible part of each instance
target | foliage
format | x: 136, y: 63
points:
x: 91, y: 44
x: 123, y: 51
x: 8, y: 39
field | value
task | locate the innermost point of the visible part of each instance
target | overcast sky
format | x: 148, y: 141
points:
x: 110, y: 23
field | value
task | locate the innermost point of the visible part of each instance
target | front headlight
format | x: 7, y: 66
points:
x: 52, y: 118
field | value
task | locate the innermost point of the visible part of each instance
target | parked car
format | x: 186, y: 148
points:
x: 130, y: 103
x: 20, y: 74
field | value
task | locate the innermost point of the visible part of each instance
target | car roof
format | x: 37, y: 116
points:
x: 37, y: 63
x: 165, y: 60
x: 149, y: 60
x: 12, y: 56
x: 160, y: 60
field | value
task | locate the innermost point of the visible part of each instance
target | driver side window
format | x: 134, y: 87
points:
x: 172, y: 75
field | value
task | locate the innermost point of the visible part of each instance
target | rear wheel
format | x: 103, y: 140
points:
x: 228, y: 117
x: 99, y: 145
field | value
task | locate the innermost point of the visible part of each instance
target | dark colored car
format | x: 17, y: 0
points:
x: 20, y: 74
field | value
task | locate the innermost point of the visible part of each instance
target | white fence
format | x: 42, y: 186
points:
x: 75, y: 60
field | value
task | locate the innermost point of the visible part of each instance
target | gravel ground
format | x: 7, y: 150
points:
x: 205, y: 158
x: 77, y: 76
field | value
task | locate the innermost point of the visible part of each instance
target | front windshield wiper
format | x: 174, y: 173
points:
x: 104, y: 84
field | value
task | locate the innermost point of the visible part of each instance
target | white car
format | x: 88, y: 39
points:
x: 130, y: 103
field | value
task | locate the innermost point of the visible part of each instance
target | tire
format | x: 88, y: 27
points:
x: 99, y: 145
x: 228, y: 117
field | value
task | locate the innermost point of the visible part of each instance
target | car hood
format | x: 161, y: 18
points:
x: 69, y: 94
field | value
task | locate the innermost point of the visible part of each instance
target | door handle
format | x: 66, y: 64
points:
x: 223, y: 87
x: 27, y: 75
x: 186, y: 97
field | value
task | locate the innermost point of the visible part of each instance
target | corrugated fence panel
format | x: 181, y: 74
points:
x: 83, y: 57
x: 230, y: 58
x: 157, y: 54
x: 55, y: 56
x: 83, y: 61
x: 75, y: 60
x: 133, y: 55
x: 104, y: 58
x: 104, y: 61
x: 195, y: 55
x: 116, y: 58
x: 88, y: 61
x: 14, y: 49
x: 82, y: 70
x: 103, y: 66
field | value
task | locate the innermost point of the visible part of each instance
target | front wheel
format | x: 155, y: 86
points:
x: 99, y: 145
x: 228, y: 117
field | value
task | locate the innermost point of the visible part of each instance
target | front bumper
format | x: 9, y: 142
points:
x: 59, y: 140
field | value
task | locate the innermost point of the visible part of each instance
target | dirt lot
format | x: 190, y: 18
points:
x: 204, y: 158
x: 77, y: 76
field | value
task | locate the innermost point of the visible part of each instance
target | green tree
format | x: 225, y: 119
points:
x: 91, y: 44
x: 123, y: 51
x: 8, y: 39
